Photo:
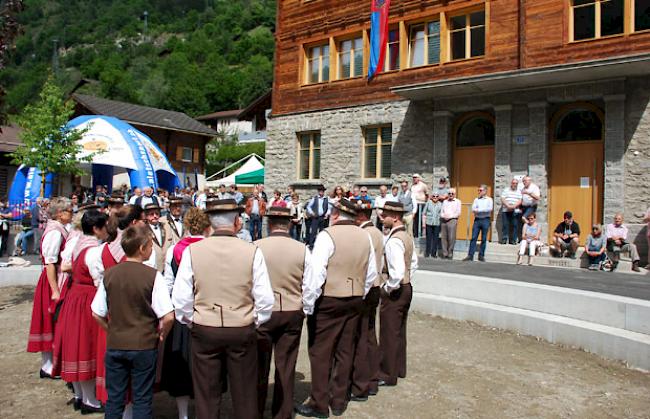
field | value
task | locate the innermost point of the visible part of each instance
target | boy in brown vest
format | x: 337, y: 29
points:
x: 223, y: 291
x: 133, y: 306
x: 399, y: 265
x: 366, y: 358
x: 343, y: 271
x: 288, y: 262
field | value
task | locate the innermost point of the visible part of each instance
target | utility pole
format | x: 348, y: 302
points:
x: 55, y: 57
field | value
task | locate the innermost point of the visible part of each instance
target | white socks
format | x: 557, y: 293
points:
x: 78, y: 393
x: 128, y: 411
x: 46, y: 362
x: 88, y: 389
x: 183, y: 404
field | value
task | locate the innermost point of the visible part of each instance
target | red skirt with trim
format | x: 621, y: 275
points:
x: 41, y: 329
x: 75, y: 337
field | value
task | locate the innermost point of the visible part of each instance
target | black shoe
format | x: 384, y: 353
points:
x: 75, y: 402
x: 382, y: 383
x: 572, y: 256
x: 481, y: 259
x: 614, y: 266
x: 354, y: 398
x: 373, y: 392
x: 635, y: 266
x: 43, y: 374
x: 308, y: 411
x: 88, y: 410
x: 468, y: 259
x: 503, y: 241
x: 339, y: 412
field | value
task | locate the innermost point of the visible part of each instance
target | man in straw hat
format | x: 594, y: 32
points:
x: 289, y: 263
x: 161, y: 236
x: 174, y: 218
x: 400, y: 263
x: 223, y: 307
x: 343, y: 271
x: 367, y: 357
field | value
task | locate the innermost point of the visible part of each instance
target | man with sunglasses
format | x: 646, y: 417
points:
x: 482, y: 209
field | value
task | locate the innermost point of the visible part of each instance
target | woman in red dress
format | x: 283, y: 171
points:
x: 101, y: 259
x: 49, y: 290
x: 77, y: 331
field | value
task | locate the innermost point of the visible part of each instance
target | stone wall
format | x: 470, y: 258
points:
x: 341, y: 142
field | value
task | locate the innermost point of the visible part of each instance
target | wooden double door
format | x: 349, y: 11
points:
x: 473, y: 166
x: 576, y: 184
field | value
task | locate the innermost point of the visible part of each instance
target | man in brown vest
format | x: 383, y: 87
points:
x: 174, y: 219
x: 400, y: 262
x: 367, y: 358
x: 288, y: 262
x: 222, y: 290
x: 343, y: 271
x: 162, y: 237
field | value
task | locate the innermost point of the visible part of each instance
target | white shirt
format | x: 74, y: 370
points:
x: 379, y: 201
x: 526, y: 199
x: 168, y: 272
x: 160, y: 301
x: 323, y: 251
x: 156, y: 230
x: 394, y: 249
x: 133, y: 199
x: 178, y: 223
x: 201, y: 200
x: 511, y: 197
x: 483, y: 207
x: 146, y: 200
x: 183, y: 290
x: 70, y: 244
x: 95, y: 263
x: 51, y: 246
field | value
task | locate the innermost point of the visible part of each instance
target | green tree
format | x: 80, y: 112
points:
x: 48, y: 143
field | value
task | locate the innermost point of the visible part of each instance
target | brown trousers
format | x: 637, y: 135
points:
x: 332, y: 332
x: 365, y: 375
x: 393, y: 316
x: 281, y: 333
x: 215, y: 348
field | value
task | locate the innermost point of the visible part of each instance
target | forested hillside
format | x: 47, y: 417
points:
x: 195, y: 56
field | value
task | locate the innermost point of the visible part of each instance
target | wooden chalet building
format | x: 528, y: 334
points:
x: 182, y: 138
x: 476, y: 90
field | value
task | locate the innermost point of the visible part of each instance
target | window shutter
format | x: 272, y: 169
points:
x: 197, y: 153
x: 433, y: 43
x: 179, y: 153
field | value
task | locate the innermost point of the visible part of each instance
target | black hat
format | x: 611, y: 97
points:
x: 175, y: 200
x: 394, y: 207
x: 88, y: 205
x: 278, y: 212
x: 116, y: 198
x: 221, y: 205
x: 346, y: 206
x: 151, y: 207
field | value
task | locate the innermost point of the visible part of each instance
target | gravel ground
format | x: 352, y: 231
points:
x: 456, y: 370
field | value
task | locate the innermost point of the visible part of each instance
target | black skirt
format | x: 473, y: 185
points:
x: 176, y: 377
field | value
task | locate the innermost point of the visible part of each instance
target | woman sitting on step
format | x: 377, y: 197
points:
x: 530, y: 234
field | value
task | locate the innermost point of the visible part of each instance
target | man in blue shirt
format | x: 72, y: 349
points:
x: 317, y: 213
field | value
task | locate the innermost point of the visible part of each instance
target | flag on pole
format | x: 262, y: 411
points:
x: 378, y: 36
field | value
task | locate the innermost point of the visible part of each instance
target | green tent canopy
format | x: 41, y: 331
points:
x: 250, y: 178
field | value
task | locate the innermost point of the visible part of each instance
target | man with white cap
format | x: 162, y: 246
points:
x: 419, y: 191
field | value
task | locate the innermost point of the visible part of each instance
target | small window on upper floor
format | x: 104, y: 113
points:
x: 641, y: 15
x: 424, y: 44
x: 350, y: 57
x: 392, y: 50
x: 467, y: 35
x: 597, y: 18
x: 318, y: 64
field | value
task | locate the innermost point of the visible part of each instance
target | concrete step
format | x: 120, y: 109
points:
x: 610, y: 326
x: 610, y: 310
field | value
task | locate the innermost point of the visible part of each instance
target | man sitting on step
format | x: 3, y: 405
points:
x: 617, y: 242
x: 566, y: 237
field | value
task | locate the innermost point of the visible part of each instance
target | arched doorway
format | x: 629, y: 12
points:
x: 473, y: 163
x: 576, y: 166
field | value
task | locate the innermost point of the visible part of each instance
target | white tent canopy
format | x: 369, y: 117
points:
x: 251, y: 165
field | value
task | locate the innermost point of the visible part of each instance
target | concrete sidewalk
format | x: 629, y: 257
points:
x: 625, y: 285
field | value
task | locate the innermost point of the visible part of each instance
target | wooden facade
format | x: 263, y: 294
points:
x: 519, y: 34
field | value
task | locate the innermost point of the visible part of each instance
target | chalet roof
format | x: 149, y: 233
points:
x: 263, y: 101
x: 143, y: 115
x: 233, y: 113
x: 9, y: 140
